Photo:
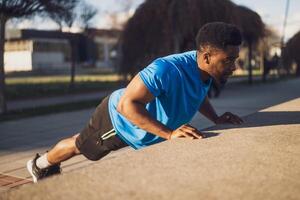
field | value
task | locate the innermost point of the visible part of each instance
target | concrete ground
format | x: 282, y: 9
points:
x: 47, y: 101
x: 22, y: 138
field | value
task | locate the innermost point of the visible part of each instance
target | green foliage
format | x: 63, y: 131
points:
x: 170, y: 26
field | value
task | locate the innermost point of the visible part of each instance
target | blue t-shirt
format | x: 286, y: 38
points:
x: 175, y: 82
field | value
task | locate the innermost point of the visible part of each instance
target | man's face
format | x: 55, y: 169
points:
x: 222, y: 63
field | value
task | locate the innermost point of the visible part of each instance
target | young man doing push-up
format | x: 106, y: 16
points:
x: 157, y: 104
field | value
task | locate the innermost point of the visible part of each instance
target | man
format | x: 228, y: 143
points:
x: 156, y: 105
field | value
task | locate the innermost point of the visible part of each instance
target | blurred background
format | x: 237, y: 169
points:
x: 66, y: 54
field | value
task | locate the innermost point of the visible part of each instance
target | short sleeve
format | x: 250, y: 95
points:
x: 156, y: 77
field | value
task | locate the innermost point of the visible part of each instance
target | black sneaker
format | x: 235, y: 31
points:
x: 38, y: 173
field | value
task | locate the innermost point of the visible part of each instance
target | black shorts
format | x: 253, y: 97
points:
x: 98, y: 137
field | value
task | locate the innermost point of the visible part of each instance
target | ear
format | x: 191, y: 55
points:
x: 206, y: 57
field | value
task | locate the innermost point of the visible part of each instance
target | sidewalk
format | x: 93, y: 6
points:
x: 258, y: 160
x: 21, y: 139
x: 46, y: 101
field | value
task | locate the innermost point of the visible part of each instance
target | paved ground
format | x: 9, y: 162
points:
x: 21, y: 139
x: 258, y: 160
x: 40, y: 102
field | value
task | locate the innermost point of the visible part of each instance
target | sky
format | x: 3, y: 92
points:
x: 271, y: 11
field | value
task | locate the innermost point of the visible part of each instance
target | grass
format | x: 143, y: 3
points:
x: 35, y: 86
x: 62, y: 79
x: 47, y: 86
x: 243, y: 73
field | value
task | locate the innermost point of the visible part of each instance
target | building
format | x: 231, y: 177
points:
x: 28, y: 49
x: 102, y: 46
x: 31, y: 54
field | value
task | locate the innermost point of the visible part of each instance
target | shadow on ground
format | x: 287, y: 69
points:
x: 260, y: 119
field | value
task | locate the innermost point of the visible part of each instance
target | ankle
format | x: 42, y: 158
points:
x: 42, y: 162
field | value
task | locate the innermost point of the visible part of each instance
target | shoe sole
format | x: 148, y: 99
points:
x: 29, y: 168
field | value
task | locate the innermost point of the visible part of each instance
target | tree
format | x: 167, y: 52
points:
x: 252, y: 29
x: 57, y: 18
x: 87, y: 13
x: 169, y: 26
x: 67, y: 19
x: 150, y: 23
x: 188, y: 16
x: 83, y: 13
x: 290, y: 53
x: 22, y: 8
x: 118, y: 18
x: 73, y: 41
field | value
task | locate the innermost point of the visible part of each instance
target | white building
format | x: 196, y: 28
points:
x: 32, y: 54
x: 28, y: 49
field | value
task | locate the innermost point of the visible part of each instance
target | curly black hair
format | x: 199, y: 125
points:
x: 218, y: 35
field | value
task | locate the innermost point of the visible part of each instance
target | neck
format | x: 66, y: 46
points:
x: 204, y: 76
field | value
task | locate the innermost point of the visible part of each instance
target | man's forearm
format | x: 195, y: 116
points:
x: 208, y: 111
x: 137, y: 114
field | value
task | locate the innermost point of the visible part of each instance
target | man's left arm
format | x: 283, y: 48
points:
x: 208, y: 111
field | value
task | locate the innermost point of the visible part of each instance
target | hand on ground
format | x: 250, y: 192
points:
x: 186, y: 131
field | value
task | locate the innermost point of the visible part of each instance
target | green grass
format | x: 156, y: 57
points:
x: 255, y: 72
x: 47, y: 86
x: 62, y: 79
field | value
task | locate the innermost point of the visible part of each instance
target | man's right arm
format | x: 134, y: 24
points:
x: 132, y: 105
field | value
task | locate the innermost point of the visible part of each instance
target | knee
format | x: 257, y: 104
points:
x: 74, y: 138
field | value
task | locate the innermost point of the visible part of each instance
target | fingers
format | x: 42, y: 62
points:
x: 182, y: 134
x: 188, y: 135
x: 191, y: 131
x: 196, y: 131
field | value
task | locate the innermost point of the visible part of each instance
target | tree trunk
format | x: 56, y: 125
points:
x: 264, y: 68
x: 249, y: 62
x: 3, y: 106
x: 298, y: 68
x: 73, y: 63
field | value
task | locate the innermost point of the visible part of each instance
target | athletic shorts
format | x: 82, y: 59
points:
x: 98, y: 137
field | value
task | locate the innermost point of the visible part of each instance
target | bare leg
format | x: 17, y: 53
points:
x: 63, y: 150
